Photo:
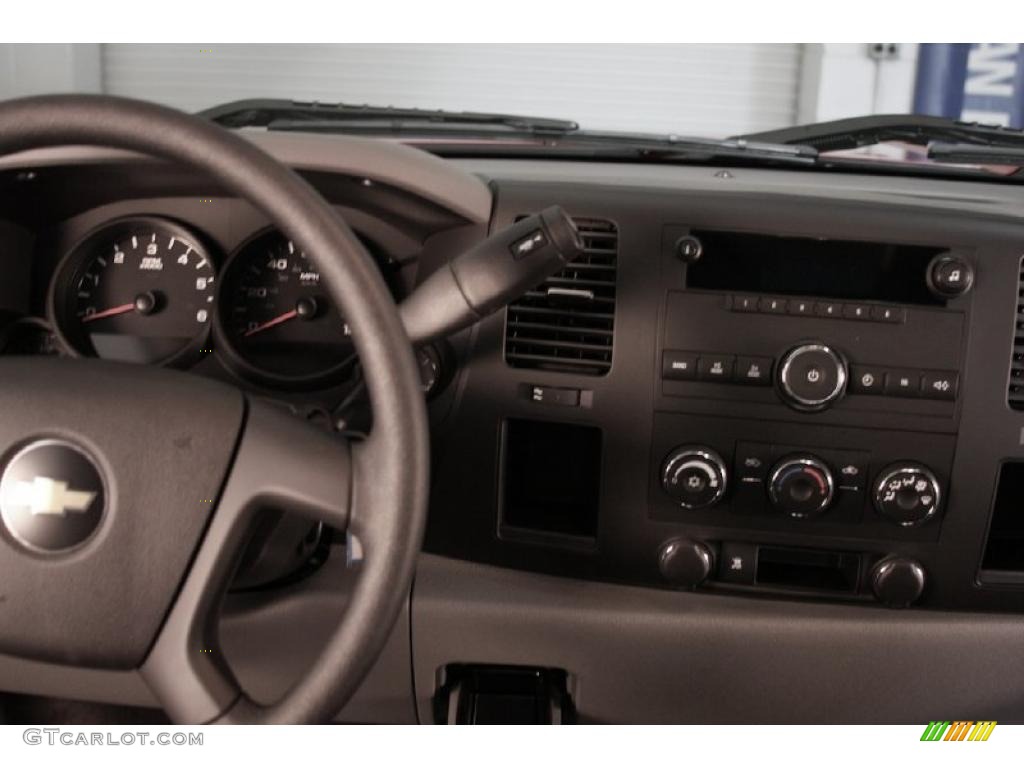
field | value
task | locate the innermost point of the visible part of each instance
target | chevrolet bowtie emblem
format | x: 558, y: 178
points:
x: 46, y: 496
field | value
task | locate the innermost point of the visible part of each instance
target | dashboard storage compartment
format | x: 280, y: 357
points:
x: 550, y: 478
x: 807, y: 569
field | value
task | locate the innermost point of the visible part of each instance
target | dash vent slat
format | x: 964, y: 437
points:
x: 1015, y: 390
x: 567, y: 323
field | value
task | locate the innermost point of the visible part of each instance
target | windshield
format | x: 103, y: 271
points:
x: 710, y: 91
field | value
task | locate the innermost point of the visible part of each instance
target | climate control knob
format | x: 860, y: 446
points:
x: 694, y: 476
x: 907, y: 493
x: 801, y: 486
x: 812, y: 376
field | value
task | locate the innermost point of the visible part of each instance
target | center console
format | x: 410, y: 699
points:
x: 807, y: 387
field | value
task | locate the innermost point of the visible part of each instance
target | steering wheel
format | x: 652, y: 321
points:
x: 169, y: 470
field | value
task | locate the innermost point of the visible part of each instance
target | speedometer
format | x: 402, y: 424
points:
x: 275, y: 322
x: 137, y: 290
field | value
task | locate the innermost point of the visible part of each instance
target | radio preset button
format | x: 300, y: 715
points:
x: 888, y: 314
x: 772, y: 306
x: 801, y: 307
x: 856, y: 311
x: 828, y: 309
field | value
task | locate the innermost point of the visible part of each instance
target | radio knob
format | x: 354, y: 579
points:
x: 801, y: 486
x: 907, y: 493
x: 897, y: 581
x: 684, y: 562
x: 694, y: 476
x: 812, y: 376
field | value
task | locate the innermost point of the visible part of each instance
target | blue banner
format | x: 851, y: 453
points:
x: 976, y: 82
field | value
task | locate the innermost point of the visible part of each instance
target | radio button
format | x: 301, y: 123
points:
x: 744, y: 304
x: 715, y: 367
x: 754, y: 370
x: 680, y: 366
x: 866, y: 380
x: 772, y: 306
x: 828, y: 309
x: 939, y: 386
x: 888, y: 314
x: 903, y: 383
x: 812, y: 376
x: 801, y: 307
x: 856, y: 311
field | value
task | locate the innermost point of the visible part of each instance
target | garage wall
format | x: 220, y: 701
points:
x: 688, y: 89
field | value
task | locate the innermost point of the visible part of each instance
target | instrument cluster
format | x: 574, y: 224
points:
x: 150, y: 290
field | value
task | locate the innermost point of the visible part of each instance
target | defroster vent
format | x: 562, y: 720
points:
x: 1015, y: 394
x: 567, y: 323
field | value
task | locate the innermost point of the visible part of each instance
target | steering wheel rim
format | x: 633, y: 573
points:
x: 383, y: 481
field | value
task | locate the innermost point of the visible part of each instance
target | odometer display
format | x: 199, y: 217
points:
x: 138, y: 290
x: 277, y: 322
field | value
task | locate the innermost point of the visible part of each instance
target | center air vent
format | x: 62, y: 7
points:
x: 1015, y: 395
x: 568, y: 321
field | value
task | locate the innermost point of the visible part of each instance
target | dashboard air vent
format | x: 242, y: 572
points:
x: 567, y: 322
x: 1015, y: 394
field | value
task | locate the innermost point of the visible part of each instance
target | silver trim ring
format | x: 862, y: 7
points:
x: 787, y: 361
x: 909, y: 468
x: 806, y: 461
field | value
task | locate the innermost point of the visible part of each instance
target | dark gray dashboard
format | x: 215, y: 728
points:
x: 591, y: 599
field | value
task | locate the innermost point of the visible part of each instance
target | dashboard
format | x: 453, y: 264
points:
x: 764, y: 404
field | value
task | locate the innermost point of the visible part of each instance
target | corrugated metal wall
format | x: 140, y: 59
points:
x: 689, y: 89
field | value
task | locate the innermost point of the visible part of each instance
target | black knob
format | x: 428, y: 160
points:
x: 694, y: 476
x: 801, y: 486
x: 949, y: 276
x: 897, y: 581
x: 685, y: 563
x: 907, y: 493
x: 812, y: 376
x: 689, y: 249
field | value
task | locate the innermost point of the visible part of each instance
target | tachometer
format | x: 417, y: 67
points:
x: 275, y: 322
x: 137, y: 290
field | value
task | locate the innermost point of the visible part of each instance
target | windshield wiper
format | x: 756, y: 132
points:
x: 874, y: 129
x: 282, y: 114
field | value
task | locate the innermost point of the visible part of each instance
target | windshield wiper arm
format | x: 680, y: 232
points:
x: 874, y: 129
x: 265, y: 113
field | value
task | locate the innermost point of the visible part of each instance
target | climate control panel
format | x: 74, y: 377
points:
x: 818, y: 481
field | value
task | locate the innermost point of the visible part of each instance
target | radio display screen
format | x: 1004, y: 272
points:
x: 803, y: 266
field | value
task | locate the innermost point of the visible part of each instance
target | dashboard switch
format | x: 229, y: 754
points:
x: 812, y: 376
x: 713, y: 367
x: 950, y: 276
x: 685, y: 563
x: 866, y: 380
x: 897, y: 581
x: 801, y: 486
x: 678, y: 365
x: 939, y: 386
x: 908, y: 494
x: 903, y: 383
x: 754, y: 370
x: 694, y: 476
x: 555, y: 395
x: 736, y: 563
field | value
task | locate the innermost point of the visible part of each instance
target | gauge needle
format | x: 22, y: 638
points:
x: 118, y: 310
x: 271, y: 323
